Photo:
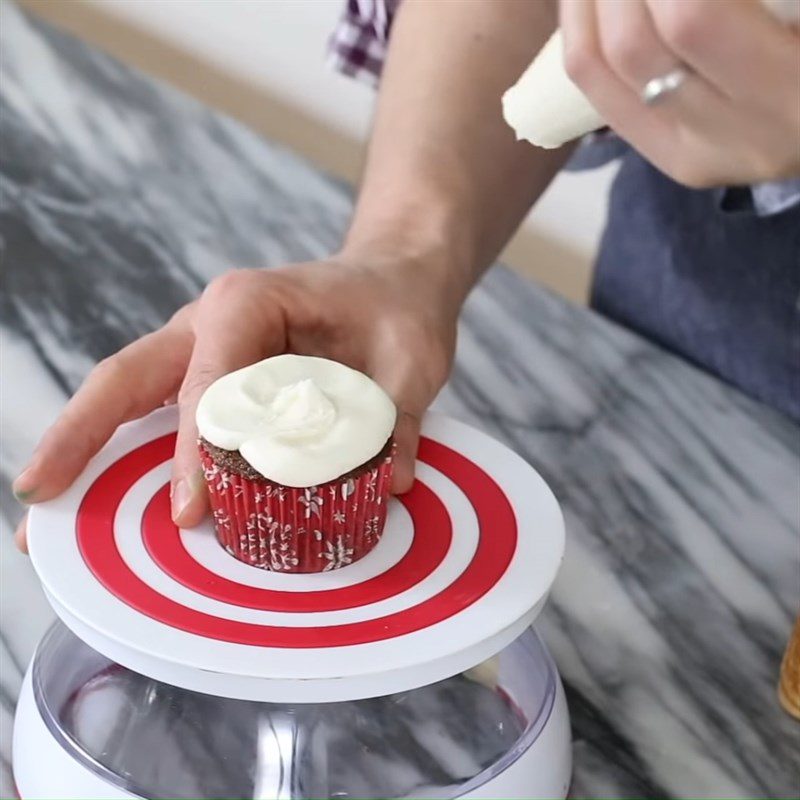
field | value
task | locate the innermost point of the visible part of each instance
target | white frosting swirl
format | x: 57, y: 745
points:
x: 298, y: 420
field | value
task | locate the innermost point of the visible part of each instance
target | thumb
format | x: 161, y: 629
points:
x: 412, y: 395
x: 406, y: 436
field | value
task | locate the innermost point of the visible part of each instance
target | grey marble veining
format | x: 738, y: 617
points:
x: 120, y: 199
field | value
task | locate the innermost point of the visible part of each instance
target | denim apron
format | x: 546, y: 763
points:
x: 705, y: 276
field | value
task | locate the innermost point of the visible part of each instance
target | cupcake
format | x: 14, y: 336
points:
x: 297, y: 454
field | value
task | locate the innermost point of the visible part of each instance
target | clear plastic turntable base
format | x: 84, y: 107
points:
x: 89, y: 728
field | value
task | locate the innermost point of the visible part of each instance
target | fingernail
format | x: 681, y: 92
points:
x: 183, y: 492
x: 23, y: 489
x: 181, y: 497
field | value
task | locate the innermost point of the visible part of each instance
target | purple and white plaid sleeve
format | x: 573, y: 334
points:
x: 358, y: 45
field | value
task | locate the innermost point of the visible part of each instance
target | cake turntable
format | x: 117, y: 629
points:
x: 176, y: 671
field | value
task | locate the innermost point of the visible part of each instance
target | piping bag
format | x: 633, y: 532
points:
x: 547, y: 109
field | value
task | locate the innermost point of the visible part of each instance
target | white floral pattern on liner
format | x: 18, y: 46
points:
x: 291, y: 529
x: 337, y: 554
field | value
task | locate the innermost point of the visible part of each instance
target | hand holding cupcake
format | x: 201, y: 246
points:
x: 381, y: 311
x: 297, y: 455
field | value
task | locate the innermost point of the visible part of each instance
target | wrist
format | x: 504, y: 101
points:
x: 432, y: 276
x: 433, y: 252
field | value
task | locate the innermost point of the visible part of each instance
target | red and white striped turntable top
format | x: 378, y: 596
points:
x: 464, y: 565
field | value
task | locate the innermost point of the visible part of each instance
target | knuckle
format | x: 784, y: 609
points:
x: 110, y: 369
x: 194, y: 384
x: 423, y: 341
x: 691, y: 173
x: 625, y: 53
x: 691, y: 160
x: 182, y: 316
x: 439, y: 358
x: 581, y: 60
x: 686, y: 25
x: 224, y: 286
x: 411, y: 329
x: 93, y: 440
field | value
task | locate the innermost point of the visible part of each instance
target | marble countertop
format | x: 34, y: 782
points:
x: 121, y: 198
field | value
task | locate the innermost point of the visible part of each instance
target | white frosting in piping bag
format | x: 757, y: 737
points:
x: 544, y: 106
x: 298, y: 420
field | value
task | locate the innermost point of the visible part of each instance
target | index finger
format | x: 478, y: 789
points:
x: 125, y: 386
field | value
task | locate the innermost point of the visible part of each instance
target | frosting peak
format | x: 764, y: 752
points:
x: 300, y: 410
x: 298, y: 420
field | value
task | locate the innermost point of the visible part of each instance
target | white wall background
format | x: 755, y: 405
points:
x: 280, y: 46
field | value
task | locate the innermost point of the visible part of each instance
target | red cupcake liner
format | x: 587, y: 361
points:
x: 285, y: 529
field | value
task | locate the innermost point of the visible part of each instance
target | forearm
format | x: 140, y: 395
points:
x: 444, y: 174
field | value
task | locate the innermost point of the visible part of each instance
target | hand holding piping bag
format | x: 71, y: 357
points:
x: 733, y: 119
